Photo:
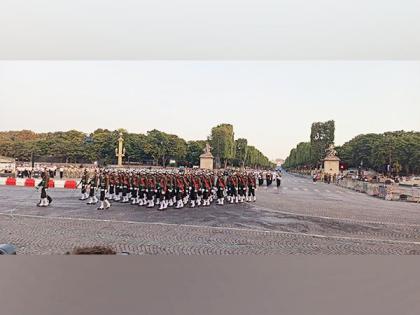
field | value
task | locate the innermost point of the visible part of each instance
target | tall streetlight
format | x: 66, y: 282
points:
x: 120, y: 151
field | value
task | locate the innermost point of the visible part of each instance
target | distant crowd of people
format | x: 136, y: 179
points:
x: 55, y: 172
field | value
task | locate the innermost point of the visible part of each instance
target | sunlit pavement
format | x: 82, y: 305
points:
x: 300, y: 217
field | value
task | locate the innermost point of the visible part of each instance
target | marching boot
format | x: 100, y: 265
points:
x: 162, y: 207
x: 95, y: 200
x: 90, y: 202
x: 199, y: 202
x: 192, y: 204
x: 45, y: 202
x: 101, y: 207
x: 222, y: 201
x: 255, y: 198
x: 236, y: 199
x: 171, y: 203
x: 107, y: 204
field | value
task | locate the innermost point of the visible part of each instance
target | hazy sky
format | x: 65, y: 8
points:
x: 272, y: 104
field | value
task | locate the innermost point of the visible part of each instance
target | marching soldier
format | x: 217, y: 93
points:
x: 84, y: 183
x: 220, y: 186
x: 278, y: 180
x: 93, y: 186
x: 45, y: 200
x: 103, y: 186
x: 252, y: 185
x: 165, y: 189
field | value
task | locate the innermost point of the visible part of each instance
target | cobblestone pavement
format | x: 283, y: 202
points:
x: 298, y: 218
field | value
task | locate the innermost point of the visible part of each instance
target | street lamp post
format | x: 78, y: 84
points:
x: 120, y: 151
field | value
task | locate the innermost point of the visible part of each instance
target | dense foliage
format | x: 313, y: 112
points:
x: 322, y: 136
x: 154, y: 147
x: 400, y: 150
x: 222, y: 140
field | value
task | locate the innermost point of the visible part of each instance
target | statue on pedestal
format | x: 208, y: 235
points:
x: 207, y: 159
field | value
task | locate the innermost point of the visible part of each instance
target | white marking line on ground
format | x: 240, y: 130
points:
x: 316, y: 190
x: 339, y: 219
x: 305, y: 189
x: 222, y: 228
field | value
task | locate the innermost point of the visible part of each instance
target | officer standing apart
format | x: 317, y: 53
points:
x: 45, y: 199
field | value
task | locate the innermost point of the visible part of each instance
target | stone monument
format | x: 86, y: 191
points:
x: 331, y: 161
x: 207, y: 159
x: 120, y: 151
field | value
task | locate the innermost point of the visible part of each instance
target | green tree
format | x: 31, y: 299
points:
x: 222, y: 140
x: 194, y: 150
x: 241, y: 147
x: 322, y: 136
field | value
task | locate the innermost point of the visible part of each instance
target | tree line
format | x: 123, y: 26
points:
x: 310, y: 154
x: 397, y: 152
x: 155, y: 147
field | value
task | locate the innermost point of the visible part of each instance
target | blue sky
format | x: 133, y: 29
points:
x: 272, y: 104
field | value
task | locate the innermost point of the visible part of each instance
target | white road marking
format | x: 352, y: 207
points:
x: 222, y: 228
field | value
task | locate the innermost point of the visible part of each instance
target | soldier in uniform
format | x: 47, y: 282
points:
x: 252, y: 185
x: 103, y: 186
x: 84, y: 183
x: 142, y: 190
x: 206, y: 190
x: 93, y: 186
x: 151, y: 187
x: 134, y: 189
x: 45, y: 200
x: 260, y: 179
x: 220, y: 186
x: 111, y: 193
x: 278, y: 179
x: 180, y: 190
x: 195, y: 187
x: 163, y: 184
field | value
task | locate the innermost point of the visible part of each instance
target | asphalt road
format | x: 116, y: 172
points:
x: 298, y: 218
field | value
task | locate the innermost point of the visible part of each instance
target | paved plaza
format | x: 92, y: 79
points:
x: 298, y: 218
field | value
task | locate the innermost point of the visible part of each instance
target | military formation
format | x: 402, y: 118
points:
x: 164, y: 188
